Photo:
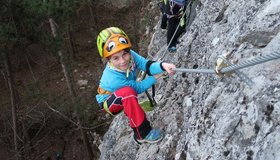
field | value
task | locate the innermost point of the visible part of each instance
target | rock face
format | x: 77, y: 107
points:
x: 205, y: 116
x: 116, y: 5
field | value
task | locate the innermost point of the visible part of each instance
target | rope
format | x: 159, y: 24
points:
x: 252, y: 62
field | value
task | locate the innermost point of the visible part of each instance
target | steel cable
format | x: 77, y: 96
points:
x: 211, y: 71
x: 252, y: 62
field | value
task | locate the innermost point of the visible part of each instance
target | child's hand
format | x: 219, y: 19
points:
x: 168, y: 67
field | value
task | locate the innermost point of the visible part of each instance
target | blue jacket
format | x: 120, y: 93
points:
x: 113, y: 79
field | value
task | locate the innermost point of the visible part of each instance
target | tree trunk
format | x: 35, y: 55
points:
x: 72, y: 48
x: 72, y: 93
x: 10, y: 80
x: 30, y: 68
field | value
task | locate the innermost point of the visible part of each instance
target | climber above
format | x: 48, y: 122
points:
x: 118, y: 87
x: 172, y: 17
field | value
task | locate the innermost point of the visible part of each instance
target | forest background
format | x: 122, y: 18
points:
x: 50, y: 70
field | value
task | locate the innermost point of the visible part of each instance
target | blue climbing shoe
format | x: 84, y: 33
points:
x: 154, y: 136
x: 172, y: 49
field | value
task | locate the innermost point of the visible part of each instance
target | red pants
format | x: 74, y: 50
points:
x: 125, y: 99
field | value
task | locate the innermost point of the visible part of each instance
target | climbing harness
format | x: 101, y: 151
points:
x: 151, y: 103
x: 224, y: 69
x: 172, y: 4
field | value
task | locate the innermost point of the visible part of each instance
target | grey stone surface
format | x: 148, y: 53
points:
x: 204, y: 116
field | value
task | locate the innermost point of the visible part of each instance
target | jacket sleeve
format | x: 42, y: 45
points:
x: 141, y: 62
x: 166, y: 8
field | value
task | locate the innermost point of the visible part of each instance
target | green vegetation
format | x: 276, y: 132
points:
x: 28, y: 19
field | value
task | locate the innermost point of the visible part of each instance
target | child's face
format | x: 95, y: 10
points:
x: 120, y: 60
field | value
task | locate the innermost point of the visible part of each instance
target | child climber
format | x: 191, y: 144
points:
x: 118, y: 87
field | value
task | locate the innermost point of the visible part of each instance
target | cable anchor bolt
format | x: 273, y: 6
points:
x: 220, y: 64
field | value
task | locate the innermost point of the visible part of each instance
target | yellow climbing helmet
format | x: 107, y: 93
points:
x: 112, y: 40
